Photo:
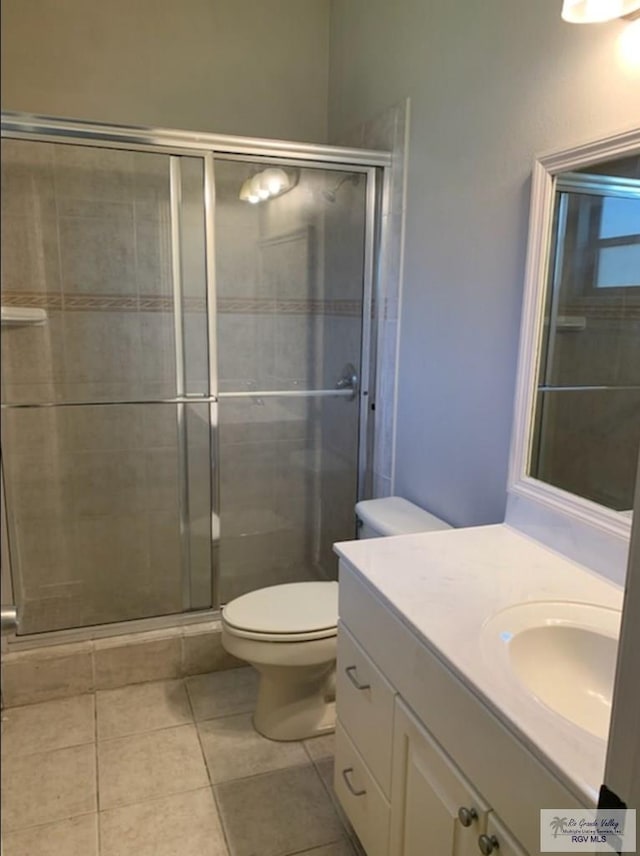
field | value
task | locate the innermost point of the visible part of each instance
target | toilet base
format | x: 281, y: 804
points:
x: 295, y: 703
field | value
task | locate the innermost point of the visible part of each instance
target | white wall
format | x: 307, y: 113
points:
x: 254, y: 67
x: 492, y: 83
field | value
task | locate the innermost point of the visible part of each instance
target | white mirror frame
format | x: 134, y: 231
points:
x: 520, y: 483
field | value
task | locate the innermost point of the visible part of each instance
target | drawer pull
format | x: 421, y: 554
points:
x: 347, y: 781
x: 488, y: 845
x: 466, y: 816
x: 350, y: 670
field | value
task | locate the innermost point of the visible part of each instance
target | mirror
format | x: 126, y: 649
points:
x: 577, y: 425
x: 587, y: 408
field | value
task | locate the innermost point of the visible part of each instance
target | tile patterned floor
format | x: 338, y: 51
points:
x: 171, y: 768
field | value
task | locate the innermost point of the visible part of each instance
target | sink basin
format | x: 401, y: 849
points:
x: 563, y: 654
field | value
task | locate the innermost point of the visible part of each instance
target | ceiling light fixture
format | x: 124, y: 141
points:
x: 268, y: 184
x: 597, y: 11
x: 276, y: 180
x: 246, y: 194
x: 258, y: 187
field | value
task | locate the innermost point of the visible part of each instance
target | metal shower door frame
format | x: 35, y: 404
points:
x: 209, y: 148
x: 367, y: 373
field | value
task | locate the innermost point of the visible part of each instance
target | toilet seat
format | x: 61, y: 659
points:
x: 292, y: 612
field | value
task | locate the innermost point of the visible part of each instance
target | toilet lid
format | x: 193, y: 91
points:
x: 291, y: 608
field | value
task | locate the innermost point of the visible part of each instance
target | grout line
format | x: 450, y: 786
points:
x: 223, y: 716
x: 12, y: 757
x: 98, y: 839
x: 307, y: 752
x: 261, y: 775
x: 317, y: 847
x: 183, y: 673
x: 6, y: 832
x: 340, y: 812
x: 316, y: 761
x: 95, y: 725
x: 156, y: 798
x: 92, y: 655
x: 264, y: 773
x: 173, y: 727
x: 212, y: 788
x: 7, y: 708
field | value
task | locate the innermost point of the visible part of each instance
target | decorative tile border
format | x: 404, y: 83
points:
x: 164, y: 303
x: 123, y: 303
x: 279, y: 306
x: 36, y: 299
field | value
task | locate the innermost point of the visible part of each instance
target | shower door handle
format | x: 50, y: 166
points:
x: 349, y: 380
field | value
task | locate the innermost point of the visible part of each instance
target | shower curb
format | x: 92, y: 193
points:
x: 58, y: 671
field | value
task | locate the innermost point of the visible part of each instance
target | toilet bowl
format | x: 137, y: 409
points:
x: 288, y: 633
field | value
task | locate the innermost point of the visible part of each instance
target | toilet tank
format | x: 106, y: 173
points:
x: 392, y: 515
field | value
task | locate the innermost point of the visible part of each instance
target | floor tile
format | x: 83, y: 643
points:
x: 76, y: 836
x: 233, y: 749
x: 48, y: 786
x: 142, y: 707
x: 145, y: 766
x: 223, y: 693
x: 325, y: 768
x: 321, y: 747
x: 338, y: 848
x: 180, y: 825
x: 325, y: 771
x: 48, y: 725
x: 277, y: 813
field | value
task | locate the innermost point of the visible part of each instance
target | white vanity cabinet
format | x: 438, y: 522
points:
x: 364, y: 731
x: 422, y: 766
x: 434, y: 809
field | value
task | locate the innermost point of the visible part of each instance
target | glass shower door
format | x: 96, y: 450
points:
x: 290, y: 265
x: 104, y: 337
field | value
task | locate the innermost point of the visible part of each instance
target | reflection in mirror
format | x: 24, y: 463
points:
x: 587, y: 411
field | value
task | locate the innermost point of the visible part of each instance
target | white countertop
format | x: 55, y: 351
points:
x: 445, y: 585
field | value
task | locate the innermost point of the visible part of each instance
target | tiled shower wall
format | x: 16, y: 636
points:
x: 86, y: 236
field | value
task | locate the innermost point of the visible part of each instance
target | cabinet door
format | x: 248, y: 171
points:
x: 427, y: 793
x: 507, y: 844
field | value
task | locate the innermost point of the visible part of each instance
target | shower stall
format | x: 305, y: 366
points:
x: 188, y: 329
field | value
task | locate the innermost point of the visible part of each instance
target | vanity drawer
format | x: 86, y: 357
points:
x: 361, y: 798
x: 364, y: 704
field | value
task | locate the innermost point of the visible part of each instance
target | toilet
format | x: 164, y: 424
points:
x: 288, y: 633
